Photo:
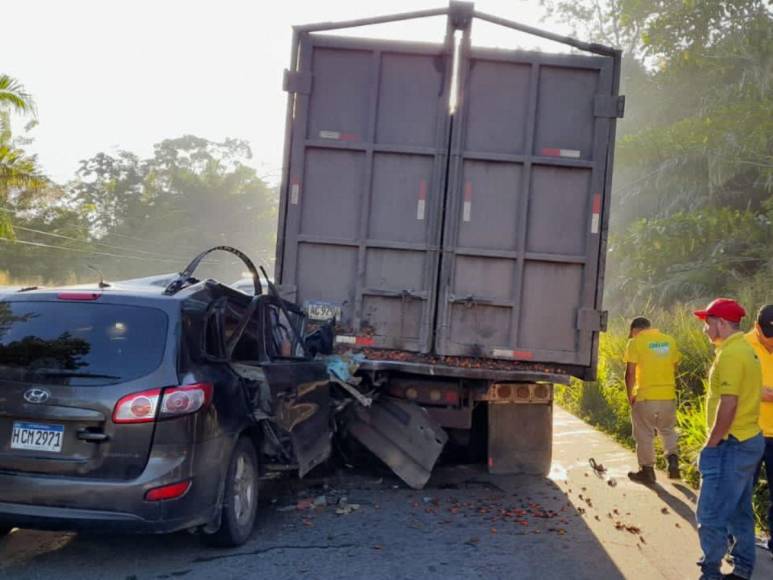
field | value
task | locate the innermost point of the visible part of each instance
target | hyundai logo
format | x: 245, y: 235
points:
x: 37, y: 395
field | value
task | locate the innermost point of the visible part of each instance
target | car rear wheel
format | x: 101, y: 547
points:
x: 240, y: 502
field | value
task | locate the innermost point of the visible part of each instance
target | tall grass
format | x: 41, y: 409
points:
x: 604, y: 403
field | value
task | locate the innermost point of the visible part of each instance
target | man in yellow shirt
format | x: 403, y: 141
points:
x: 734, y: 447
x: 651, y: 357
x: 761, y: 339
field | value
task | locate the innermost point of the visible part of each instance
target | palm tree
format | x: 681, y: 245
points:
x: 18, y: 171
x: 14, y: 96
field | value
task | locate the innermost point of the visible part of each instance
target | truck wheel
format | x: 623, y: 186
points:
x: 5, y: 531
x: 240, y: 500
x: 520, y: 438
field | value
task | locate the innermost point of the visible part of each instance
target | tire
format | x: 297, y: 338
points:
x: 4, y: 531
x: 240, y: 500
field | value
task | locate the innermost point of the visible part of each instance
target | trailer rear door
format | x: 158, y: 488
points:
x: 522, y: 230
x: 360, y: 222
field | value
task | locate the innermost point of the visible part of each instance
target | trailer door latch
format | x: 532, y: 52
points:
x: 593, y: 320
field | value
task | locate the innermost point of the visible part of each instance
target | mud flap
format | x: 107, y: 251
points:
x: 402, y: 435
x: 520, y: 438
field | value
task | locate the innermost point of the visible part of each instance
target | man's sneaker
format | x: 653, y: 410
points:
x: 673, y: 467
x: 645, y: 475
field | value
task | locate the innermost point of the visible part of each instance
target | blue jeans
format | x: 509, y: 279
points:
x: 725, y: 504
x: 767, y: 459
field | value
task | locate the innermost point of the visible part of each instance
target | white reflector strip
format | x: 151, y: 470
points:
x: 329, y: 135
x: 420, y: 210
x: 295, y: 190
x: 501, y: 353
x: 573, y: 153
x: 467, y: 211
x: 594, y: 223
x: 346, y: 339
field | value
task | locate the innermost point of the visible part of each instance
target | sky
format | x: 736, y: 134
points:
x: 109, y: 75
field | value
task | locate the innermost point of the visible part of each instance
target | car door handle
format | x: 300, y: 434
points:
x: 91, y: 436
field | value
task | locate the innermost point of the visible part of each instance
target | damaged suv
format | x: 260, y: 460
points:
x: 131, y: 407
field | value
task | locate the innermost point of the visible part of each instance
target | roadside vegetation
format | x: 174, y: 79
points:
x: 692, y: 213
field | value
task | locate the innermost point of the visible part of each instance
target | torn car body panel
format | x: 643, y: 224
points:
x: 401, y: 434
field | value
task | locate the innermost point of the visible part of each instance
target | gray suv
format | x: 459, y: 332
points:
x: 146, y: 409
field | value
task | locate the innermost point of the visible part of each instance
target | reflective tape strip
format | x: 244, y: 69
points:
x: 555, y: 152
x: 595, y: 221
x: 356, y: 340
x: 467, y: 209
x: 513, y: 354
x: 337, y: 136
x: 295, y: 191
x: 421, y: 205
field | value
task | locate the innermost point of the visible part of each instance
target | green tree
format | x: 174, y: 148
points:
x: 19, y: 172
x: 14, y: 96
x: 191, y: 195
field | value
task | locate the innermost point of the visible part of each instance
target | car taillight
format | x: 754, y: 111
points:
x: 78, y: 296
x: 172, y: 491
x: 184, y: 400
x: 137, y: 407
x: 143, y: 407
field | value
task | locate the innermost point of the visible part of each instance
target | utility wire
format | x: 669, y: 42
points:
x: 92, y: 242
x: 82, y: 251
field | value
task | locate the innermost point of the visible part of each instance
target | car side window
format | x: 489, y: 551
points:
x: 247, y: 349
x: 281, y: 341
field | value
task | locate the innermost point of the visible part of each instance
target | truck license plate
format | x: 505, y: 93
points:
x: 37, y: 437
x: 322, y: 310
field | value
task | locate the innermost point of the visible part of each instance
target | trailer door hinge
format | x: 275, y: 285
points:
x: 593, y: 320
x: 609, y: 106
x: 297, y: 82
x: 461, y: 14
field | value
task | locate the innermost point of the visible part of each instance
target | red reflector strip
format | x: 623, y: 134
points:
x: 166, y: 492
x: 78, y: 296
x: 555, y: 152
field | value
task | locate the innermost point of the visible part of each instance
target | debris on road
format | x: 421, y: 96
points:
x: 598, y: 468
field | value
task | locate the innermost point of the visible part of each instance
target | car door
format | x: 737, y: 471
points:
x: 298, y: 384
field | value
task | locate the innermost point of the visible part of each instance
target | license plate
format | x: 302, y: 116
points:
x: 322, y: 310
x: 37, y: 437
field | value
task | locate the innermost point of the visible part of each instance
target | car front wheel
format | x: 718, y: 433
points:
x: 240, y: 500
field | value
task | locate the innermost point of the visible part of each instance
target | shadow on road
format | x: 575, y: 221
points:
x: 464, y: 524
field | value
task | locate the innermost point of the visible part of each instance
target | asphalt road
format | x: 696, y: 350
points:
x: 465, y: 524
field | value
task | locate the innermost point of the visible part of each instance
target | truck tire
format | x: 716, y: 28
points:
x: 4, y: 531
x: 520, y: 438
x: 240, y: 499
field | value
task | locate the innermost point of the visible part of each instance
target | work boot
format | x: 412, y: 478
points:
x: 673, y: 467
x: 645, y: 475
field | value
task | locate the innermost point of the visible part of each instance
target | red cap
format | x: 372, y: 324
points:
x: 722, y: 308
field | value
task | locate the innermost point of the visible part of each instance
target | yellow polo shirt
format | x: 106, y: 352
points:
x: 736, y: 371
x: 655, y: 355
x: 766, y: 362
